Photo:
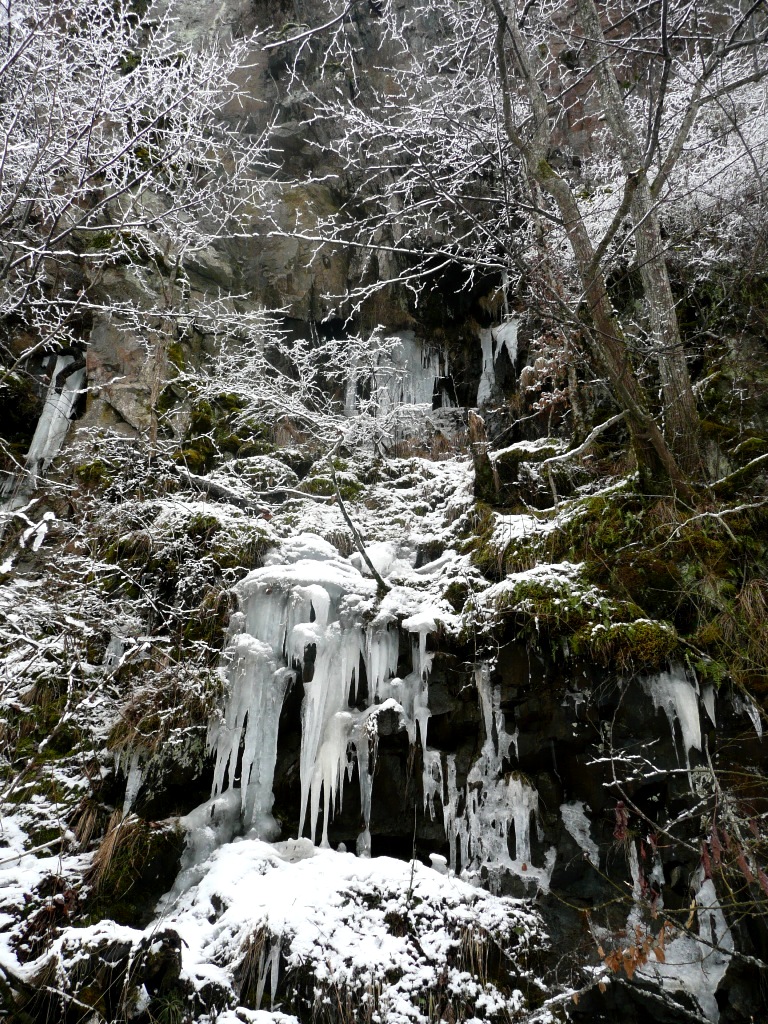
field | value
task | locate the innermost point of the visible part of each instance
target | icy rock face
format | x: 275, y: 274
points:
x: 492, y: 341
x: 309, y: 601
x: 494, y: 813
x: 407, y: 376
x: 52, y: 426
x: 309, y: 597
x: 54, y: 419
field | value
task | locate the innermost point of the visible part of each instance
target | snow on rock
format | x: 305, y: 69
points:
x: 381, y: 932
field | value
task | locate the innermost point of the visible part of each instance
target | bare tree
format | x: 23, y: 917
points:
x: 554, y: 145
x: 115, y: 152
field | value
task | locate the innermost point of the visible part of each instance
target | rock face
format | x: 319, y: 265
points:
x: 519, y: 776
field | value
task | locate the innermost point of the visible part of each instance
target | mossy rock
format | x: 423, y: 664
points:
x: 349, y: 486
x: 477, y: 532
x: 93, y: 474
x: 209, y: 622
x: 508, y: 461
x: 20, y: 407
x: 201, y: 528
x: 136, y: 863
x: 250, y: 449
x: 456, y: 594
x: 643, y: 644
x: 197, y: 455
x: 201, y: 418
x: 320, y: 485
x: 299, y: 460
x: 264, y: 472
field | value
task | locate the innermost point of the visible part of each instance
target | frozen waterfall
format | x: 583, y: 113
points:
x: 314, y: 599
x: 310, y: 599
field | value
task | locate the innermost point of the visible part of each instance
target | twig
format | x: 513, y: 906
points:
x: 575, y: 452
x: 312, y: 31
x: 383, y: 586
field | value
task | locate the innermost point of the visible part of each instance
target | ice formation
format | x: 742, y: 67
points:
x: 679, y: 698
x: 315, y: 600
x: 696, y: 967
x: 408, y: 375
x: 492, y: 341
x: 491, y: 814
x: 54, y: 419
x: 576, y: 821
x: 309, y: 599
x: 743, y: 704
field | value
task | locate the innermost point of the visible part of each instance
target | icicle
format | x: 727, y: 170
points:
x: 134, y: 781
x: 252, y: 713
x: 503, y: 739
x: 327, y: 776
x: 483, y: 684
x: 495, y: 806
x: 708, y: 700
x: 382, y: 646
x: 745, y: 705
x: 488, y: 374
x: 55, y: 418
x: 679, y: 699
x: 325, y: 697
x: 432, y: 780
x: 314, y: 599
x: 577, y: 823
x: 505, y: 336
x: 407, y: 376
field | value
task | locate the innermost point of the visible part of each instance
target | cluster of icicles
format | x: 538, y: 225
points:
x: 314, y: 599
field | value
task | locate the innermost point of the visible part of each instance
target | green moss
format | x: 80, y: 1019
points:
x: 209, y: 622
x: 93, y: 474
x: 100, y: 241
x: 167, y: 400
x: 227, y: 442
x: 230, y: 402
x: 202, y: 528
x: 639, y: 645
x: 248, y: 449
x: 751, y: 447
x: 20, y: 408
x: 198, y: 454
x: 201, y: 418
x: 456, y: 594
x: 176, y: 355
x: 320, y: 485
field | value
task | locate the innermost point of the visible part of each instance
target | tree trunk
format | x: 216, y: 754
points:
x: 681, y: 420
x: 656, y: 462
